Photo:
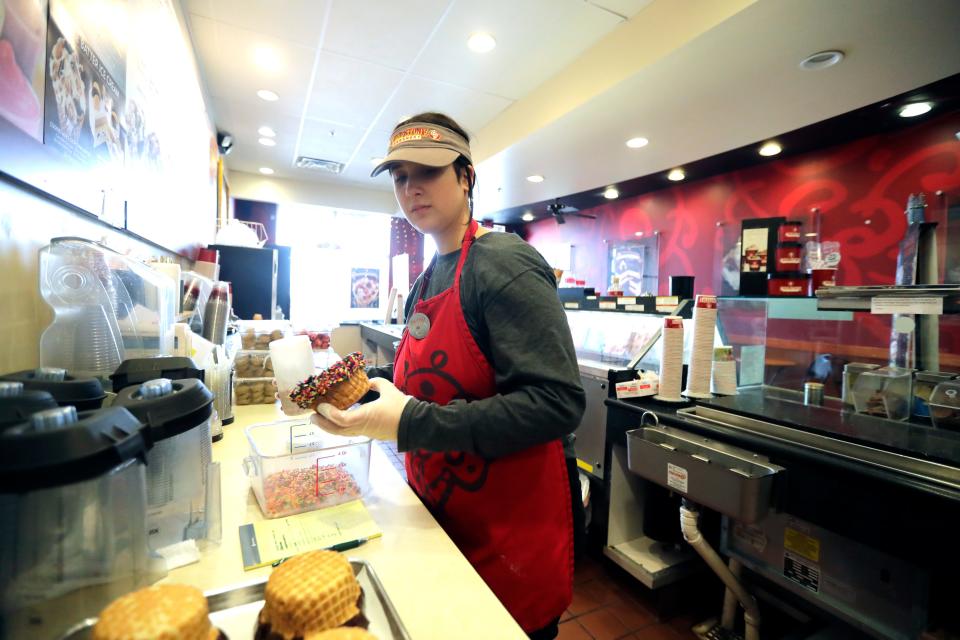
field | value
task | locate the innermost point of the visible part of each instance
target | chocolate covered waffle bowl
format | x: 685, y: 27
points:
x: 308, y: 594
x: 341, y: 385
x: 344, y: 633
x: 161, y: 612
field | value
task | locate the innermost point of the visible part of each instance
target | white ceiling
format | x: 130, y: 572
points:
x: 350, y: 69
x: 737, y: 84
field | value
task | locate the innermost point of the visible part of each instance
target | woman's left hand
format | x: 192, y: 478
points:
x: 379, y: 419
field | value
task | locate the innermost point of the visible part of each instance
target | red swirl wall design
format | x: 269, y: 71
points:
x: 861, y: 189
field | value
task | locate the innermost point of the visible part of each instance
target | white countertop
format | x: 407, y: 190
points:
x: 436, y: 592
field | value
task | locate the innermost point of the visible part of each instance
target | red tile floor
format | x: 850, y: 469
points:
x: 609, y: 604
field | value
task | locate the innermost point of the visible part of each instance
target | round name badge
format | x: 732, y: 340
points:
x: 418, y: 325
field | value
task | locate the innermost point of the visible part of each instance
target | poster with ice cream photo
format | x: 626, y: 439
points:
x: 86, y: 80
x: 23, y: 26
x: 364, y: 288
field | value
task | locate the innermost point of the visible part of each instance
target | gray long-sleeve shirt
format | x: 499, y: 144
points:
x: 509, y: 299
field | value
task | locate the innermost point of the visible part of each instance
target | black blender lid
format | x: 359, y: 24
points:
x: 53, y: 450
x: 167, y: 407
x: 139, y: 370
x: 17, y: 403
x: 67, y: 391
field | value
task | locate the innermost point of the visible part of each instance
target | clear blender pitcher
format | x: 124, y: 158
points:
x: 107, y: 307
x: 183, y: 482
x: 72, y: 527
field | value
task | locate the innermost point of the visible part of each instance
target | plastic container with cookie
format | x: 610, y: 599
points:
x: 312, y: 595
x: 258, y: 334
x: 294, y: 467
x: 253, y: 364
x: 945, y: 405
x: 254, y: 391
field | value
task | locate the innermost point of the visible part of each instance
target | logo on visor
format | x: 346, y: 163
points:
x: 416, y: 133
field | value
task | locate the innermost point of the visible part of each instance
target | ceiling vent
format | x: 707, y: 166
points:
x: 329, y: 166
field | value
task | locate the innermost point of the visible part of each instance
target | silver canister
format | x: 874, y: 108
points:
x: 813, y: 393
x: 852, y: 371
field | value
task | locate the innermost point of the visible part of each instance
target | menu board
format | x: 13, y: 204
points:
x: 101, y: 107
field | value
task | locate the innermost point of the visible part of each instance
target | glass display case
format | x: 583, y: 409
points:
x: 784, y: 343
x: 611, y: 338
x: 622, y: 340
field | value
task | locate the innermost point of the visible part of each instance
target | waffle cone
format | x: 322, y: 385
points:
x: 344, y: 395
x: 309, y: 593
x: 161, y: 612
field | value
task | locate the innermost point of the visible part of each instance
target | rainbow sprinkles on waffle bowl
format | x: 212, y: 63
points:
x: 341, y: 385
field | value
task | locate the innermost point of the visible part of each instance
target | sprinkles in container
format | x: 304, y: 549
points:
x: 295, y: 467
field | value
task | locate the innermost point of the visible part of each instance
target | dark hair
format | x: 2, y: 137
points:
x: 461, y: 164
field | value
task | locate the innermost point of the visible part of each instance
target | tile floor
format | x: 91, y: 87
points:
x: 390, y: 448
x: 610, y: 604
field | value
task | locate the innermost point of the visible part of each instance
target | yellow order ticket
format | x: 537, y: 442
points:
x: 342, y: 527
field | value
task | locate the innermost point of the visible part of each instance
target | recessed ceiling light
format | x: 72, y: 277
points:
x: 268, y: 142
x: 821, y: 60
x: 676, y: 175
x: 770, y: 149
x: 611, y: 193
x: 527, y: 217
x: 636, y: 143
x: 535, y: 178
x: 266, y: 132
x: 267, y: 171
x: 915, y: 109
x: 481, y: 42
x: 269, y: 96
x: 639, y: 234
x: 266, y: 58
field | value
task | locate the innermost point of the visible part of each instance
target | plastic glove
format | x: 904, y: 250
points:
x: 379, y: 419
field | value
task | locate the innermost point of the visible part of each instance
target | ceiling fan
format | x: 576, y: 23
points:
x: 558, y: 210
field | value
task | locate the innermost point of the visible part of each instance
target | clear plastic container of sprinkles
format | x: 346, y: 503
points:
x: 294, y: 467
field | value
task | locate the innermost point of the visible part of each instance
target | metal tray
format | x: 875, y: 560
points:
x: 234, y: 609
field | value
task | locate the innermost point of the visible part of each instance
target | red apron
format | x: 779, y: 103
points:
x: 509, y: 516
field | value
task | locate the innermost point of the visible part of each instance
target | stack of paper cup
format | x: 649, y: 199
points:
x: 701, y: 356
x: 671, y: 360
x: 724, y: 379
x: 292, y: 360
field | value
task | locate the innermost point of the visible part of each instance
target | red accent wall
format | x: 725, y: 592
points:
x: 861, y: 189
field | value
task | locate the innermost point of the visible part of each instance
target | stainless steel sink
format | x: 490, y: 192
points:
x: 736, y: 482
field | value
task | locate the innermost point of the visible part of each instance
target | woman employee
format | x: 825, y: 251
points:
x: 485, y: 385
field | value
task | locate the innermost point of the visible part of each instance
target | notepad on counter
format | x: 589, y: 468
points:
x: 267, y: 541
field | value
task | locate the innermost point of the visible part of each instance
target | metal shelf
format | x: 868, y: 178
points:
x: 861, y: 298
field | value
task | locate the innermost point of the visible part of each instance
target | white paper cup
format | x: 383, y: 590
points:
x: 292, y: 360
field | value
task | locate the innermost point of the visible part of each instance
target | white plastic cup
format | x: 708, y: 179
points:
x: 292, y: 360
